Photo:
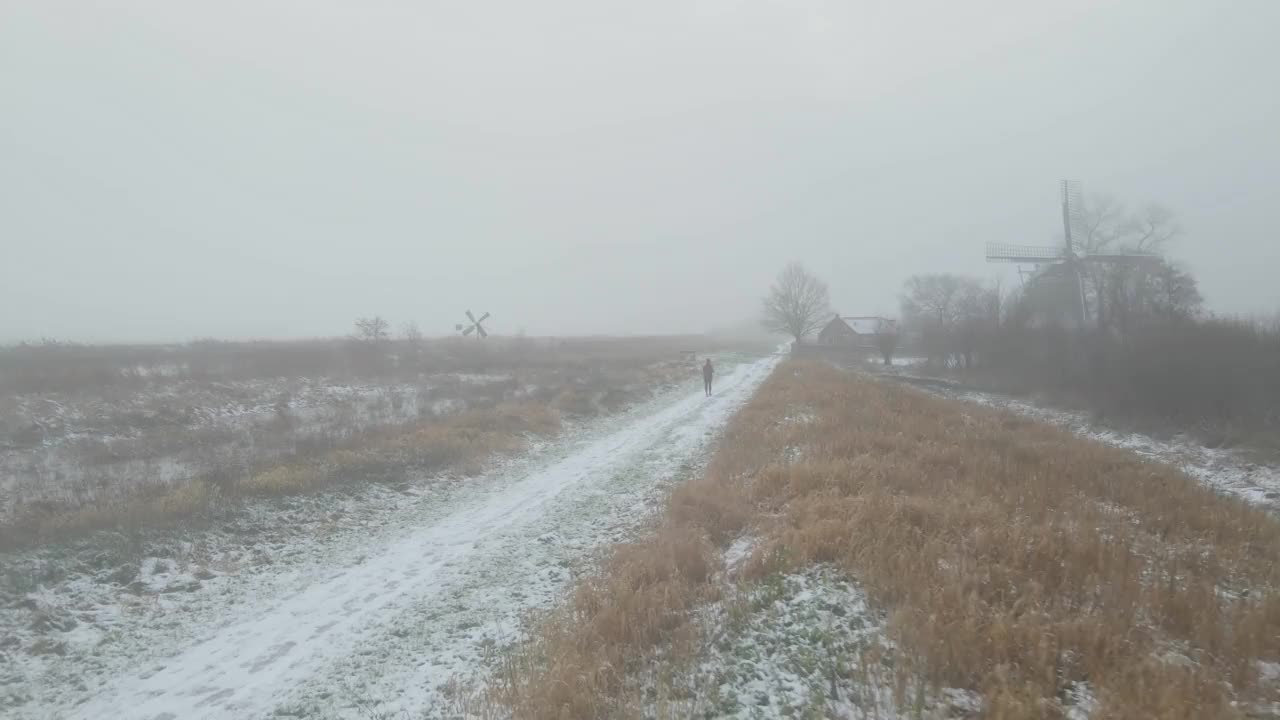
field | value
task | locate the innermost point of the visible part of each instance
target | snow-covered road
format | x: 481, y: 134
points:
x: 383, y: 635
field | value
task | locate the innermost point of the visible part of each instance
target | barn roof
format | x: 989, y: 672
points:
x: 863, y: 325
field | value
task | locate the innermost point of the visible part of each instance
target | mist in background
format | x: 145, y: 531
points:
x: 176, y: 170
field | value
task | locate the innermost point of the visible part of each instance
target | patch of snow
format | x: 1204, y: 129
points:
x: 447, y: 406
x: 896, y: 361
x: 739, y: 551
x: 479, y: 378
x: 802, y: 416
x: 1080, y: 701
x: 806, y: 644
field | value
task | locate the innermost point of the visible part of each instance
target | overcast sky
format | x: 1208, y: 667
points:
x: 172, y: 170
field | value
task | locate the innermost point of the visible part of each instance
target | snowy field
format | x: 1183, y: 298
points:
x: 64, y: 450
x: 369, y: 602
x: 69, y: 448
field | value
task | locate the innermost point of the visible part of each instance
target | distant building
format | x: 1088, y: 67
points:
x: 855, y: 332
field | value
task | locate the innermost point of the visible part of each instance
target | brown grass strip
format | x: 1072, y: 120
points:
x: 1014, y: 559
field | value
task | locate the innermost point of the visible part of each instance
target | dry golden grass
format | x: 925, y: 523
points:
x: 1014, y: 559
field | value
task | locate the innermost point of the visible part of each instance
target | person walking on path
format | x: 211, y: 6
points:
x: 707, y: 373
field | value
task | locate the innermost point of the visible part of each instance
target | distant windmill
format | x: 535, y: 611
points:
x: 1064, y: 264
x: 474, y: 326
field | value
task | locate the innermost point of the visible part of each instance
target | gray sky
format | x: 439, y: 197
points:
x: 171, y: 170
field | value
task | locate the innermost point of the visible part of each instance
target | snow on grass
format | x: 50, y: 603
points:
x: 898, y: 361
x: 479, y: 378
x: 359, y: 602
x: 798, y: 416
x: 792, y: 646
x: 86, y: 443
x: 1229, y: 471
x: 738, y: 552
x: 1080, y: 702
x: 808, y: 644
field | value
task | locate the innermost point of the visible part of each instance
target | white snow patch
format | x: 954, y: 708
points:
x: 1081, y: 702
x: 479, y: 378
x: 805, y: 644
x: 896, y: 361
x: 739, y: 551
x: 799, y: 416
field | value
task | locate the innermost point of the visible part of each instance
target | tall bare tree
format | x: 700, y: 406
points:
x: 951, y: 314
x: 1111, y: 228
x: 412, y: 334
x: 373, y: 330
x: 797, y: 304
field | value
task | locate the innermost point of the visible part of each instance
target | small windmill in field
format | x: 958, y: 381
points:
x: 1064, y: 265
x: 474, y: 325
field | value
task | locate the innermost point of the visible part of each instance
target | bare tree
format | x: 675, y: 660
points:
x: 932, y: 299
x: 412, y: 335
x: 1110, y: 228
x: 950, y: 314
x: 373, y: 330
x: 1175, y: 293
x: 977, y: 319
x: 887, y: 339
x: 797, y: 304
x: 1158, y: 291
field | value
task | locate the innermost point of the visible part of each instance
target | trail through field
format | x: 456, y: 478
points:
x: 382, y: 636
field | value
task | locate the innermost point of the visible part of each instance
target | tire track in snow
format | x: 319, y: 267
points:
x: 299, y: 646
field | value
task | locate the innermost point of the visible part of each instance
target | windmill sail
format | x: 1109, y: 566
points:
x: 1006, y: 252
x: 1057, y: 278
x: 474, y: 325
x: 1073, y: 224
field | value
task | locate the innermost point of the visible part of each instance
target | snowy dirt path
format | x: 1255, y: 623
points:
x: 382, y: 636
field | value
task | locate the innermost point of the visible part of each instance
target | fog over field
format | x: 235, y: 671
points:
x: 245, y: 169
x: 581, y: 359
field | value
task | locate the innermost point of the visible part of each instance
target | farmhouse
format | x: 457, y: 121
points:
x: 854, y: 332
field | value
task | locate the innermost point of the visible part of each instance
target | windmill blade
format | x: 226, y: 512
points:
x: 1073, y: 216
x: 483, y: 318
x: 483, y: 334
x: 471, y: 317
x: 470, y: 329
x: 1004, y: 252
